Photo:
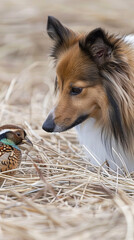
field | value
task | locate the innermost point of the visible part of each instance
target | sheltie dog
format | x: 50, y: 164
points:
x: 95, y: 83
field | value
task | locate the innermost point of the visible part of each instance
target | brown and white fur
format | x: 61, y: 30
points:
x: 95, y: 81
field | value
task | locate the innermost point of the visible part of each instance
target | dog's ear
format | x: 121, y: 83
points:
x: 59, y: 34
x: 56, y: 30
x: 97, y: 46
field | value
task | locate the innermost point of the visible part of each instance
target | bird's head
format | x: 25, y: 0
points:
x: 13, y: 135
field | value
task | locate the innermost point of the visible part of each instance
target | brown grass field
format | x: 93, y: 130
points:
x: 55, y: 194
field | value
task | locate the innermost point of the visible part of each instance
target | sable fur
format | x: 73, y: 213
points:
x: 108, y: 68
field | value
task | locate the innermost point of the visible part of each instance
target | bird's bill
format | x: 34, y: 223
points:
x: 27, y: 141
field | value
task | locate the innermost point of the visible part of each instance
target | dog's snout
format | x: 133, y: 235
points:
x: 49, y: 124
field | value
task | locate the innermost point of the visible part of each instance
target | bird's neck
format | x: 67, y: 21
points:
x: 9, y: 142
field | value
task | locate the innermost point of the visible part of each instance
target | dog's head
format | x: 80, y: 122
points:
x: 87, y: 77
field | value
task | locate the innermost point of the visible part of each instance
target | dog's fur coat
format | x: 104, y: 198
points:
x: 95, y: 78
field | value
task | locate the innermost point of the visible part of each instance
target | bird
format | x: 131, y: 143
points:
x: 11, y: 139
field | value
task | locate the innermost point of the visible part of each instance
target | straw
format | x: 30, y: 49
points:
x: 56, y: 193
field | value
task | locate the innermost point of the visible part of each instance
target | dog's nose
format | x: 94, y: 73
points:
x: 49, y: 124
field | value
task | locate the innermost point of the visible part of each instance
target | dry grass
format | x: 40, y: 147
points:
x: 56, y: 193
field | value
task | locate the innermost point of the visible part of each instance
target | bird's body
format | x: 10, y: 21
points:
x: 10, y: 153
x: 10, y: 157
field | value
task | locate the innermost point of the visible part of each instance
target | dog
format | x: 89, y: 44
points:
x: 95, y: 84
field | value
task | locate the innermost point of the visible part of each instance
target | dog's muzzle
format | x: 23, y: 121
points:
x: 49, y: 124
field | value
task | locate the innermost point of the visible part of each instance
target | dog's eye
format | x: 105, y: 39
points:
x: 75, y: 91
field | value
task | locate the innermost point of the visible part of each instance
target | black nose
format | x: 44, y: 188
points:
x: 49, y: 124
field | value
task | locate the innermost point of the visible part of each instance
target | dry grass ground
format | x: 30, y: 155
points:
x: 55, y: 193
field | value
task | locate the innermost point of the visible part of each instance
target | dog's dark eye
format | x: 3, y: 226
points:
x: 75, y: 91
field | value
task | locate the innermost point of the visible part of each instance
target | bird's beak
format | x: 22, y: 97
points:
x: 27, y: 141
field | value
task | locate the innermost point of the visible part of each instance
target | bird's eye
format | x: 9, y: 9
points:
x: 18, y: 134
x: 75, y: 91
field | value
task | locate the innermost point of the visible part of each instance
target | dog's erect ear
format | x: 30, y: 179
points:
x: 56, y: 30
x: 59, y: 34
x: 97, y: 46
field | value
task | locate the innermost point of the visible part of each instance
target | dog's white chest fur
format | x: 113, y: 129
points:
x: 98, y: 152
x: 129, y: 39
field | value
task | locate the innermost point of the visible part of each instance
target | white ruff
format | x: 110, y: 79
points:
x: 129, y: 39
x: 90, y: 137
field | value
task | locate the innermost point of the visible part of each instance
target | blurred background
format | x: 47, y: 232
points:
x: 26, y: 75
